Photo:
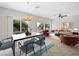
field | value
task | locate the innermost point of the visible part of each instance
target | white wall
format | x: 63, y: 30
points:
x: 5, y: 26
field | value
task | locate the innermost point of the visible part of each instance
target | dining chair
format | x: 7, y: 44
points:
x: 0, y: 43
x: 40, y: 41
x: 6, y: 44
x: 27, y: 47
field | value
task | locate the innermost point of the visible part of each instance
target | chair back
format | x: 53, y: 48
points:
x: 41, y: 37
x: 0, y: 43
x: 6, y: 43
x: 41, y: 40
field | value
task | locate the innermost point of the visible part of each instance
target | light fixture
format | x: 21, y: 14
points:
x: 36, y: 6
x: 28, y: 17
x: 75, y: 29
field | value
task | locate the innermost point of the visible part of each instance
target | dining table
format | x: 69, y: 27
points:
x: 22, y: 36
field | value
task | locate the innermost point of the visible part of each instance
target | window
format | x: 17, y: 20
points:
x: 47, y: 26
x: 24, y: 26
x: 16, y: 25
x: 42, y: 26
x: 19, y: 26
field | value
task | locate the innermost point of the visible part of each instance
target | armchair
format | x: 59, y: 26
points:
x: 46, y: 33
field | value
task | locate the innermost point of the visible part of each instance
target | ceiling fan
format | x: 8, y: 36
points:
x: 62, y: 15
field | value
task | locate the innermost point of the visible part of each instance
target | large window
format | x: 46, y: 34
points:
x: 19, y: 26
x: 42, y: 26
x: 16, y: 26
x: 24, y: 26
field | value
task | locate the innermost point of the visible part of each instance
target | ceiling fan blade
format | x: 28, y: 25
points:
x: 65, y: 15
x: 61, y: 15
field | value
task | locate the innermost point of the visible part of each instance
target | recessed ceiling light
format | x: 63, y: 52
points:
x: 28, y: 2
x: 36, y: 6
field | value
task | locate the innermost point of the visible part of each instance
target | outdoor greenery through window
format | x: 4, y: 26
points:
x: 16, y: 26
x: 42, y: 26
x: 24, y: 26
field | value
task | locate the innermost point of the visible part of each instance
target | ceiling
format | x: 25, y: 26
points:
x: 44, y: 9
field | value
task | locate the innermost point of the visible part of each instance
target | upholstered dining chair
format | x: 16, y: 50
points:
x: 0, y: 43
x: 40, y: 41
x: 6, y: 44
x: 27, y: 47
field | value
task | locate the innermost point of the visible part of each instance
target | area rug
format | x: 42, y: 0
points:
x: 43, y: 49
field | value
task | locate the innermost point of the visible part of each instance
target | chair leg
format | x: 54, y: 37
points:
x: 45, y: 47
x: 26, y: 52
x: 40, y: 49
x: 34, y: 50
x: 20, y: 53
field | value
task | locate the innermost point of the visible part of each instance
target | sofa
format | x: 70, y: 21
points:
x: 69, y: 39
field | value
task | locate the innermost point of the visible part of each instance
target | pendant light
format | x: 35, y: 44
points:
x: 28, y: 17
